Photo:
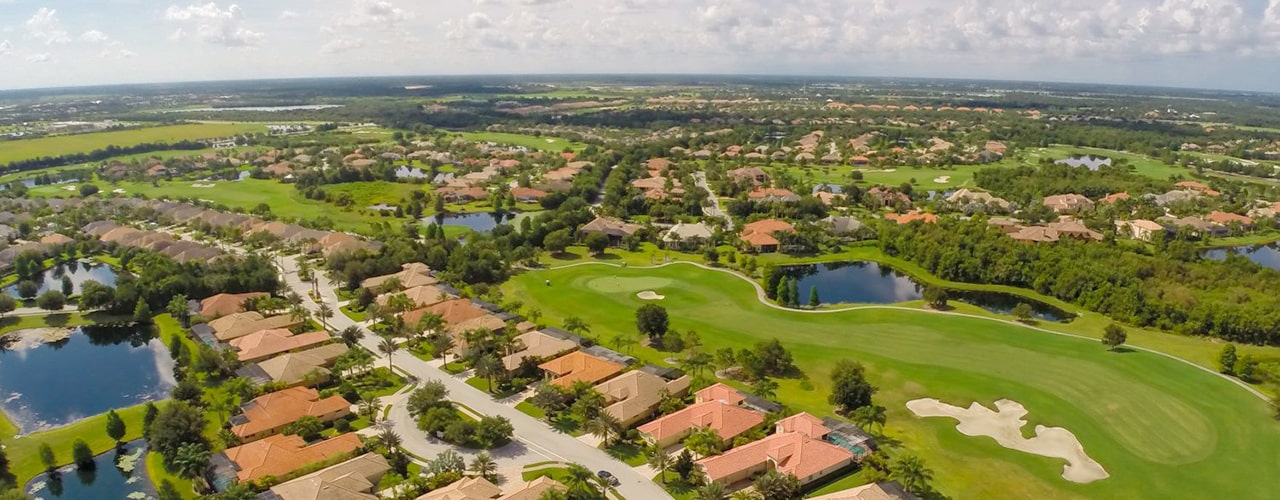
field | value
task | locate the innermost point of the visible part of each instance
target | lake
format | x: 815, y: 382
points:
x: 479, y: 221
x: 51, y: 279
x: 1264, y: 255
x: 872, y: 283
x: 94, y: 370
x: 116, y: 475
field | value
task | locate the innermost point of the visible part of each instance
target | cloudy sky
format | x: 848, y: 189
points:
x: 1233, y: 44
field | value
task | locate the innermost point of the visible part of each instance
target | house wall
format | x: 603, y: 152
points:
x: 826, y: 472
x: 670, y: 440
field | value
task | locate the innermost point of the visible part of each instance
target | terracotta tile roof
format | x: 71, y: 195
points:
x: 884, y: 490
x: 792, y: 453
x: 267, y: 343
x: 610, y: 226
x: 803, y: 423
x: 292, y: 368
x: 760, y: 233
x: 56, y: 239
x: 281, y: 454
x: 524, y: 193
x: 1111, y: 199
x: 487, y: 322
x: 422, y: 296
x: 456, y: 311
x: 273, y: 411
x: 720, y: 392
x: 728, y: 420
x: 467, y: 488
x: 1068, y: 202
x: 537, y: 345
x: 636, y: 394
x: 413, y: 274
x: 236, y: 325
x: 226, y: 303
x: 578, y: 366
x: 534, y: 490
x: 355, y: 479
x: 912, y: 216
x: 1225, y: 218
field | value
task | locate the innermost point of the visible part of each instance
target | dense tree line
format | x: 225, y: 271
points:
x: 1030, y: 183
x: 1173, y: 290
x: 99, y: 155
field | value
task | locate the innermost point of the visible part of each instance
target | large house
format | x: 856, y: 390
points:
x: 226, y: 303
x: 268, y: 414
x: 1140, y: 229
x: 687, y: 236
x: 716, y: 407
x: 578, y: 366
x: 413, y: 274
x: 1070, y: 203
x: 261, y: 345
x: 964, y: 196
x: 754, y: 175
x: 883, y: 490
x: 773, y: 195
x: 1227, y: 219
x: 296, y: 368
x: 912, y: 216
x: 280, y: 454
x: 537, y: 346
x: 760, y: 235
x: 615, y: 229
x: 236, y: 325
x: 634, y: 396
x: 796, y: 448
x: 355, y: 479
x: 421, y: 296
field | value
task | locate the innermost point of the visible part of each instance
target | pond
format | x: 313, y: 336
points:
x: 479, y: 221
x: 872, y: 283
x: 116, y: 475
x: 95, y: 369
x: 51, y: 279
x: 1264, y: 255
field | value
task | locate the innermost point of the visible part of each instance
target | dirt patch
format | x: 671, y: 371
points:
x: 650, y: 295
x: 1004, y: 424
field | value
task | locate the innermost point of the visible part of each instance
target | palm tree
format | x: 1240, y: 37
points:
x: 297, y: 312
x: 712, y: 491
x: 911, y: 472
x: 388, y: 346
x: 867, y: 416
x: 695, y: 363
x: 191, y: 461
x: 624, y: 342
x: 352, y: 334
x: 658, y: 458
x: 222, y: 404
x: 325, y: 312
x: 389, y: 438
x: 765, y: 388
x: 605, y: 426
x: 484, y: 466
x: 488, y: 366
x: 576, y: 325
x: 581, y: 479
x: 430, y: 323
x: 370, y: 407
x: 400, y: 303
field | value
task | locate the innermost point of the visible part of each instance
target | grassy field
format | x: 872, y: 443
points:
x: 1143, y: 165
x: 24, y: 459
x: 157, y: 473
x: 26, y: 149
x: 1162, y: 429
x: 544, y: 143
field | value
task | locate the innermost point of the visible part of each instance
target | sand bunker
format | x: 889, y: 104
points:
x: 942, y: 180
x: 650, y: 295
x: 69, y: 188
x: 203, y: 185
x: 1004, y: 426
x: 118, y: 191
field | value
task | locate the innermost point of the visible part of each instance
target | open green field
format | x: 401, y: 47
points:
x: 1161, y: 428
x: 24, y: 458
x: 26, y: 149
x: 1143, y: 165
x: 544, y: 143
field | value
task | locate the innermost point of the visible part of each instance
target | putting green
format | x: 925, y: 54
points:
x: 627, y: 285
x: 1162, y: 428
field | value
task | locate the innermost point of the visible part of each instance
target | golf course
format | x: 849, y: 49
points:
x: 1160, y: 427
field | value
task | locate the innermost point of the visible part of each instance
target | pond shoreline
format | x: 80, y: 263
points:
x: 73, y: 481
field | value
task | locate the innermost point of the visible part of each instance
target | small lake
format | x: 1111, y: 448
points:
x: 1264, y: 255
x: 479, y: 221
x: 116, y: 475
x: 1088, y: 161
x: 872, y: 283
x: 51, y: 279
x: 94, y: 370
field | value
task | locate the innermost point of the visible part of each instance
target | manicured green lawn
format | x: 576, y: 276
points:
x: 1143, y: 165
x: 83, y: 143
x: 1162, y: 429
x: 12, y: 323
x: 628, y: 453
x: 24, y: 458
x: 560, y: 474
x: 529, y: 409
x: 357, y: 316
x: 158, y: 473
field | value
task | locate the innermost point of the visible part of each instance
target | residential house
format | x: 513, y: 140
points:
x: 964, y: 196
x: 1198, y: 227
x: 467, y: 488
x: 535, y: 490
x: 1070, y: 203
x: 687, y: 236
x: 355, y: 479
x: 527, y: 195
x: 797, y: 448
x: 886, y: 197
x: 1140, y: 229
x: 716, y: 407
x: 761, y: 235
x: 845, y: 225
x: 537, y: 346
x: 269, y: 414
x: 882, y: 490
x: 236, y: 325
x: 634, y: 396
x: 615, y: 229
x: 55, y: 239
x: 421, y: 296
x: 1071, y: 228
x: 912, y: 216
x: 1199, y: 187
x: 754, y: 175
x: 226, y: 303
x: 1227, y: 219
x: 578, y: 366
x: 770, y: 195
x: 1174, y: 196
x: 1114, y: 198
x: 413, y: 274
x: 281, y: 454
x: 307, y: 367
x: 264, y: 344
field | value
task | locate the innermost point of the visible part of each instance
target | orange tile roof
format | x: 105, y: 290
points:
x: 760, y: 233
x: 579, y: 366
x: 720, y: 392
x: 281, y: 454
x: 422, y: 296
x: 912, y: 216
x: 1111, y: 199
x: 456, y: 310
x: 636, y: 394
x: 226, y: 303
x: 537, y: 345
x: 790, y: 452
x: 803, y: 423
x: 1225, y: 218
x: 267, y: 343
x: 274, y: 411
x: 728, y: 420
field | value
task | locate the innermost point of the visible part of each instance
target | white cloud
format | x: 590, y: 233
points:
x: 380, y: 13
x: 114, y: 53
x: 39, y: 58
x: 94, y: 36
x: 288, y: 14
x: 45, y: 26
x: 178, y: 35
x: 6, y: 48
x: 216, y: 26
x: 339, y: 45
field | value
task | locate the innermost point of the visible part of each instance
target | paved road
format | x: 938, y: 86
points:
x: 712, y: 210
x: 535, y: 441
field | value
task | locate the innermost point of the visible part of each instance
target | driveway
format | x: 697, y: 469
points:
x: 713, y: 209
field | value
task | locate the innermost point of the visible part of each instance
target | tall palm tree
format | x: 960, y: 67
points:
x: 297, y: 312
x: 765, y: 388
x: 624, y: 342
x: 388, y: 346
x: 352, y: 334
x: 430, y: 323
x: 370, y: 407
x: 325, y: 312
x: 605, y: 426
x: 576, y: 325
x: 658, y: 458
x: 489, y: 366
x: 911, y: 472
x: 695, y: 363
x: 484, y: 466
x: 390, y: 439
x: 192, y: 461
x: 581, y: 479
x: 712, y: 491
x: 867, y: 416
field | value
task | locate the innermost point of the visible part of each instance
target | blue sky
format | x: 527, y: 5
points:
x: 1232, y: 44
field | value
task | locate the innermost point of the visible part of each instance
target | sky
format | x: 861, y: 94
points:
x: 1223, y: 44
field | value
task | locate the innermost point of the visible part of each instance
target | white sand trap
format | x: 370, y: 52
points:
x: 650, y: 295
x: 1004, y: 426
x: 203, y: 185
x: 942, y: 180
x: 118, y: 191
x: 69, y: 188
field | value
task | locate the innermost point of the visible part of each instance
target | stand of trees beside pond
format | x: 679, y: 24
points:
x: 1173, y: 290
